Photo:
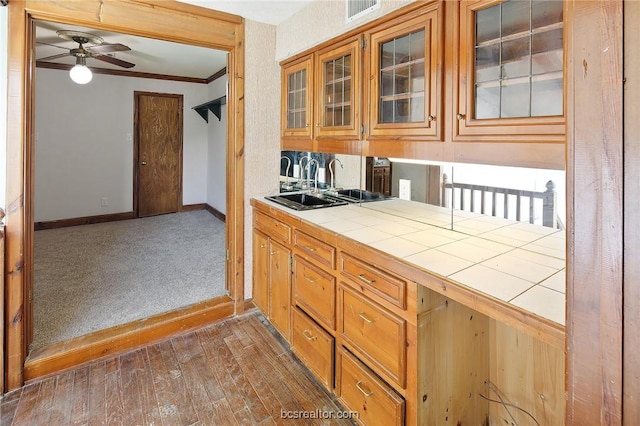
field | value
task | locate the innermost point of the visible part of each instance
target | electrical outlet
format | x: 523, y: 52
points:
x: 104, y: 202
x: 404, y: 190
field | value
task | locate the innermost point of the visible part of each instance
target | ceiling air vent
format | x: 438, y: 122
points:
x: 358, y: 8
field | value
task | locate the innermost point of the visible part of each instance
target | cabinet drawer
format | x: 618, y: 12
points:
x: 277, y: 230
x: 375, y: 334
x: 372, y: 279
x: 358, y: 389
x: 316, y: 249
x: 315, y: 291
x: 313, y: 346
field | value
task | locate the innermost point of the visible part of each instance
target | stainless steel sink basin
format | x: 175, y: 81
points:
x: 305, y: 201
x: 360, y: 195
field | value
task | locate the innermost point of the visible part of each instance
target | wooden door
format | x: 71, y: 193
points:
x: 296, y: 105
x: 280, y: 287
x: 158, y: 157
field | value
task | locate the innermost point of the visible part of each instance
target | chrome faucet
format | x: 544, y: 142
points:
x: 315, y: 180
x: 331, y: 187
x: 301, y: 167
x: 286, y: 173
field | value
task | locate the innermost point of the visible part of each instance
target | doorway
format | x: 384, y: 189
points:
x: 157, y: 153
x: 169, y: 21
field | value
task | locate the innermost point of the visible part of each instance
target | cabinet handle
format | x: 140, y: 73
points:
x: 263, y: 245
x: 365, y: 279
x: 311, y: 280
x: 361, y: 387
x: 307, y: 335
x: 274, y: 252
x: 317, y: 124
x: 364, y: 317
x: 431, y: 118
x: 311, y: 249
x: 307, y: 125
x: 460, y: 116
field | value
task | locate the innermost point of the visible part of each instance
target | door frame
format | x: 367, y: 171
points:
x: 136, y: 148
x: 169, y: 21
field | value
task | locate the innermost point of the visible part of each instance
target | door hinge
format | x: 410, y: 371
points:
x: 291, y: 263
x: 227, y: 255
x: 362, y: 129
x: 364, y: 43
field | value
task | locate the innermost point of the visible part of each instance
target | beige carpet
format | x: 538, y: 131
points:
x: 92, y: 277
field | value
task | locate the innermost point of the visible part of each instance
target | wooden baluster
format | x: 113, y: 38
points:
x: 482, y: 203
x: 506, y: 205
x: 549, y: 211
x: 531, y: 210
x: 493, y: 203
x: 443, y: 198
x: 518, y: 196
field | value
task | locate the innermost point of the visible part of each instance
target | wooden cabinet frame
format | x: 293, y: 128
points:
x: 301, y: 138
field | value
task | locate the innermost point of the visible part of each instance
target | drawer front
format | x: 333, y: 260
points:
x: 372, y: 279
x: 315, y: 291
x: 314, y: 347
x: 316, y: 249
x: 375, y: 334
x: 277, y: 230
x: 360, y: 390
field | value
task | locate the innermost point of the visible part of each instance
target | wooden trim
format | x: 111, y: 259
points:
x: 217, y: 213
x: 122, y: 73
x: 192, y: 207
x: 217, y: 75
x: 72, y: 353
x: 249, y: 305
x: 136, y: 146
x: 595, y: 177
x: 85, y: 220
x: 2, y: 289
x: 170, y: 21
x: 631, y: 290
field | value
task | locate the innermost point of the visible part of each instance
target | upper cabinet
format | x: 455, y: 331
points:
x: 297, y: 105
x: 338, y: 90
x: 405, y: 71
x: 510, y: 74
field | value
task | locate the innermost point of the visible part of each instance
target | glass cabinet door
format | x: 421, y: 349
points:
x: 338, y: 94
x: 511, y: 69
x: 296, y: 99
x: 405, y: 71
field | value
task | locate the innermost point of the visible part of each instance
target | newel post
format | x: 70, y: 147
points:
x: 443, y: 198
x: 549, y: 212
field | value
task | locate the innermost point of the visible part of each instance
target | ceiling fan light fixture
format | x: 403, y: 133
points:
x: 80, y: 74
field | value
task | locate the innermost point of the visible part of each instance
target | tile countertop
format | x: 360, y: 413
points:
x: 515, y: 262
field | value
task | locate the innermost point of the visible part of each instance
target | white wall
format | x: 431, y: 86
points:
x: 217, y: 150
x: 4, y: 36
x: 84, y: 145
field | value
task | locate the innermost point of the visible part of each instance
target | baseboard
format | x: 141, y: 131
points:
x: 73, y: 353
x: 87, y: 220
x: 215, y: 212
x: 192, y: 207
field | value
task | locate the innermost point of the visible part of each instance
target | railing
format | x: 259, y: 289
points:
x: 503, y: 201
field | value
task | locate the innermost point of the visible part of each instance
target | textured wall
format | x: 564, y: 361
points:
x: 320, y: 21
x: 262, y: 129
x: 84, y: 150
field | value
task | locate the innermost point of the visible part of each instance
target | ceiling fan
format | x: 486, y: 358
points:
x: 98, y: 50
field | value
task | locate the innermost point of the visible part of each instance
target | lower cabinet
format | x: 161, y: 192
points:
x: 314, y: 347
x: 360, y: 390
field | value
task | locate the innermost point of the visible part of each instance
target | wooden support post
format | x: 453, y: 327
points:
x: 549, y: 212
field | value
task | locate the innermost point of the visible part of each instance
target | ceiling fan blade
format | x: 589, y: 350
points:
x: 50, y: 58
x: 52, y: 45
x: 107, y: 48
x: 115, y: 61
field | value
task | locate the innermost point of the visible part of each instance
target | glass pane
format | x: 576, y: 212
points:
x: 346, y: 97
x: 290, y: 120
x: 402, y: 111
x: 329, y: 71
x: 337, y: 92
x: 546, y: 48
x: 386, y: 54
x: 402, y: 50
x: 417, y: 45
x: 417, y: 78
x: 386, y: 111
x: 546, y: 97
x: 515, y: 17
x: 346, y: 115
x: 328, y: 116
x: 515, y: 58
x: 387, y: 81
x: 402, y: 80
x: 487, y: 101
x: 488, y: 24
x: 515, y: 100
x: 417, y: 109
x: 545, y: 13
x: 488, y: 63
x: 347, y: 65
x: 292, y: 82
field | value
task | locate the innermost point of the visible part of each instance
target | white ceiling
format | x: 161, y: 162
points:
x: 162, y: 57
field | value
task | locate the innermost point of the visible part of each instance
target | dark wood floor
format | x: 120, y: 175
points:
x: 234, y: 372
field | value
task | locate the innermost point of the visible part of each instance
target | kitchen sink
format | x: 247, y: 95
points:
x: 359, y: 195
x: 305, y: 201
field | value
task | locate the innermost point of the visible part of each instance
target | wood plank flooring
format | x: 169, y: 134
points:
x: 236, y: 372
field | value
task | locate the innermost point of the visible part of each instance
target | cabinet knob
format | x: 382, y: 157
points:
x: 144, y: 163
x: 460, y: 116
x: 307, y: 125
x: 431, y: 118
x: 317, y: 124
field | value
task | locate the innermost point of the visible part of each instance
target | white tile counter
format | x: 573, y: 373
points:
x: 515, y: 262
